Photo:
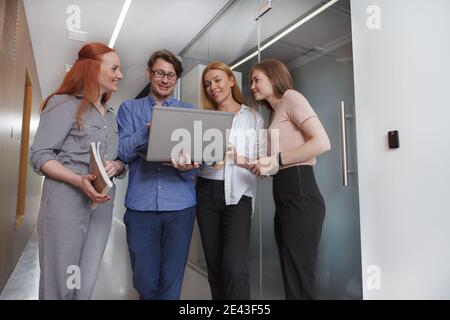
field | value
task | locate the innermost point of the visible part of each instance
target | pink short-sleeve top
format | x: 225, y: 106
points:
x: 290, y: 113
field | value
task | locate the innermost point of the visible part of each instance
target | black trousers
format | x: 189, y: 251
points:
x: 225, y: 233
x: 300, y: 211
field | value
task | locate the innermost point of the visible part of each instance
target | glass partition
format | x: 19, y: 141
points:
x: 233, y: 34
x: 319, y: 57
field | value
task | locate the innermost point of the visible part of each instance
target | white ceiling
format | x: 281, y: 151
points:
x: 321, y: 35
x: 236, y: 32
x: 172, y: 24
x: 150, y: 25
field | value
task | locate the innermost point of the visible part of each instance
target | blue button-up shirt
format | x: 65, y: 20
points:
x: 151, y: 185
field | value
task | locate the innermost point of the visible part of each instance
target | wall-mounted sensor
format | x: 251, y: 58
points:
x: 393, y: 139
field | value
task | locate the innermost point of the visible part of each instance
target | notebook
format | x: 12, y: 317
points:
x: 102, y: 183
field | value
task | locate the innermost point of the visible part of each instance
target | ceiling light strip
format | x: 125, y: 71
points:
x: 245, y: 59
x: 123, y: 14
x: 287, y: 31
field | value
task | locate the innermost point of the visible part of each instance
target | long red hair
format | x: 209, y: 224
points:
x: 82, y: 78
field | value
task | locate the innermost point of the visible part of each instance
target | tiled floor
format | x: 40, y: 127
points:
x: 114, y: 279
x: 23, y: 284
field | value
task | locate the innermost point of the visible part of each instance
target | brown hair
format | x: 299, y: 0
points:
x: 169, y: 57
x: 82, y: 78
x: 206, y: 101
x: 278, y: 74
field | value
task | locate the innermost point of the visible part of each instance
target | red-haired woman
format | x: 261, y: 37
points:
x: 72, y: 235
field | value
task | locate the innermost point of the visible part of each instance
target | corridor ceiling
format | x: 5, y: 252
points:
x: 151, y: 25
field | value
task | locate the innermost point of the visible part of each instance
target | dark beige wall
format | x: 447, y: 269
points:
x: 12, y: 87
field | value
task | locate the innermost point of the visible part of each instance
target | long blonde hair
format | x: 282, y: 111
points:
x: 206, y: 101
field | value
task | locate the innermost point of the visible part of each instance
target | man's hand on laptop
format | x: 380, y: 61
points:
x: 184, y: 163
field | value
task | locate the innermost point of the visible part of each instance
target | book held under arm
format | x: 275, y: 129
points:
x: 102, y: 182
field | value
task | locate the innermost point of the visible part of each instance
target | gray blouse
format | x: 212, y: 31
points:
x: 59, y: 138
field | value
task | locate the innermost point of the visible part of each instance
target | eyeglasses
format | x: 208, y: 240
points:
x: 159, y: 74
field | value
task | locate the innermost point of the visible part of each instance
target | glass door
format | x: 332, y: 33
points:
x: 319, y: 57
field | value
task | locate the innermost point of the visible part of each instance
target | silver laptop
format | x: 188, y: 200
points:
x: 203, y: 134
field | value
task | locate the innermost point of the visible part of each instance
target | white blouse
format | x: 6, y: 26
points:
x: 248, y: 141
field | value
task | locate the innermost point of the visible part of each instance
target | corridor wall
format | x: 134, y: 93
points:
x: 16, y: 61
x: 401, y: 64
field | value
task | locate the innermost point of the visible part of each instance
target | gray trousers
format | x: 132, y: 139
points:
x: 72, y: 239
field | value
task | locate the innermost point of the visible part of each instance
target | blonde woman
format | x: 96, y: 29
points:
x: 225, y: 193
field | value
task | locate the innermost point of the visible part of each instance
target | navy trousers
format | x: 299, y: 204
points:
x: 158, y: 242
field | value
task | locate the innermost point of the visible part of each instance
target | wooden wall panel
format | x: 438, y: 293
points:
x: 10, y: 26
x: 24, y: 146
x: 2, y: 15
x: 12, y: 92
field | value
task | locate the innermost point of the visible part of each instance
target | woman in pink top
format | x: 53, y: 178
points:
x: 297, y: 137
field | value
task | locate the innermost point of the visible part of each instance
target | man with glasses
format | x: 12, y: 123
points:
x: 160, y: 199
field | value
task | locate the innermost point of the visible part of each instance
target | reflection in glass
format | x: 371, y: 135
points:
x: 319, y: 56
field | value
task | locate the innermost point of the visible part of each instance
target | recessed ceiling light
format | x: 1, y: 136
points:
x: 77, y: 35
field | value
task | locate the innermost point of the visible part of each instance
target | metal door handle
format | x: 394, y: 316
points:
x: 344, y: 162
